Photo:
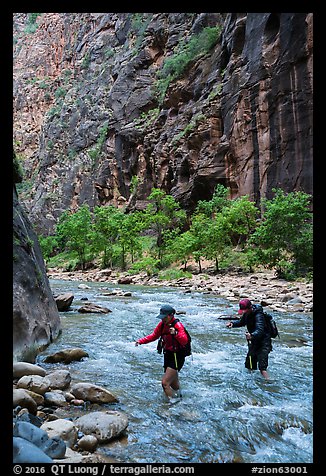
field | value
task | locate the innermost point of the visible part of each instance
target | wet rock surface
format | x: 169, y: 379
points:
x: 41, y: 436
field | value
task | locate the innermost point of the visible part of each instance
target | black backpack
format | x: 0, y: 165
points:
x: 185, y: 350
x: 271, y: 324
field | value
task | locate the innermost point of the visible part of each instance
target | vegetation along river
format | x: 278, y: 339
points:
x: 227, y: 413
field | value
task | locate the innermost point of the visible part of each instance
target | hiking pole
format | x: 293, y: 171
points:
x: 227, y: 317
x: 176, y: 360
x: 250, y: 361
x: 249, y: 348
x: 176, y: 366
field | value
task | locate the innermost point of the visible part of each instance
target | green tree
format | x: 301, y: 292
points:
x: 283, y: 240
x: 106, y: 228
x: 74, y: 232
x: 148, y: 264
x: 183, y: 247
x: 216, y: 239
x: 129, y: 236
x: 216, y: 203
x: 240, y: 219
x: 220, y: 223
x: 116, y: 234
x: 199, y: 233
x: 48, y: 246
x: 165, y: 218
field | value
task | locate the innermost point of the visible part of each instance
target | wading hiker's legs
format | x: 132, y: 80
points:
x: 170, y: 382
x: 265, y: 374
x: 263, y: 359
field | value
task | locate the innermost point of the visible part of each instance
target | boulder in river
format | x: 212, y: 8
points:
x: 66, y: 356
x: 22, y: 398
x: 55, y: 447
x: 37, y: 397
x: 52, y: 447
x: 55, y: 398
x: 59, y: 379
x: 34, y: 383
x: 64, y: 429
x: 25, y: 368
x: 92, y: 393
x: 88, y: 443
x: 30, y: 432
x: 64, y: 301
x: 103, y: 425
x: 93, y: 308
x: 125, y: 280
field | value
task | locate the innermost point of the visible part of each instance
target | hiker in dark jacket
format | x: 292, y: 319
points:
x: 174, y: 338
x: 258, y: 335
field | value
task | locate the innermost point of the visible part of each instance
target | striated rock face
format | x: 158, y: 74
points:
x: 89, y: 118
x: 35, y: 315
x: 267, y: 104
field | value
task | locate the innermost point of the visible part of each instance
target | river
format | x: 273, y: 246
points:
x: 227, y: 413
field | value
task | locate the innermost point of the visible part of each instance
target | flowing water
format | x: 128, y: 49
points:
x: 227, y: 413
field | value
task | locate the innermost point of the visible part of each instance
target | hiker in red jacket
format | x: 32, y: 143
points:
x: 174, y: 338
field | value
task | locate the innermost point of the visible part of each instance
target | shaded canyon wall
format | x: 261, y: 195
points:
x: 36, y: 320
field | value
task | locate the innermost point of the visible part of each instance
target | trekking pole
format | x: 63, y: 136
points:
x: 250, y: 361
x: 249, y: 351
x: 176, y: 361
x: 227, y: 317
x: 176, y: 366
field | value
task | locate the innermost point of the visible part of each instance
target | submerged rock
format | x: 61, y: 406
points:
x: 94, y: 308
x: 64, y: 301
x: 66, y: 356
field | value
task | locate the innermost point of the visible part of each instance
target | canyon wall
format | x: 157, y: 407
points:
x: 92, y: 125
x: 36, y: 320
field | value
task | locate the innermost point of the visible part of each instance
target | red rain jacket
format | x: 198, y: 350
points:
x: 170, y: 342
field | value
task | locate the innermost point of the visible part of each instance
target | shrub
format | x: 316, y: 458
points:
x: 175, y: 66
x: 31, y: 26
x: 170, y: 274
x: 148, y: 264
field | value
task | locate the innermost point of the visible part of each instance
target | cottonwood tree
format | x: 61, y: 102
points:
x: 283, y: 240
x: 165, y: 217
x: 74, y: 232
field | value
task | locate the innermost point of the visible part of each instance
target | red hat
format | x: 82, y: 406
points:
x: 244, y: 305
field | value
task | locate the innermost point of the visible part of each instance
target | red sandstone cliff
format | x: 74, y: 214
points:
x: 87, y: 116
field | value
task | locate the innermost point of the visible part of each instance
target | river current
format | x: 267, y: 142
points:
x: 227, y: 413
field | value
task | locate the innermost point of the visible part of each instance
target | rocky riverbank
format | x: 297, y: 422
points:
x: 58, y: 420
x: 260, y: 287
